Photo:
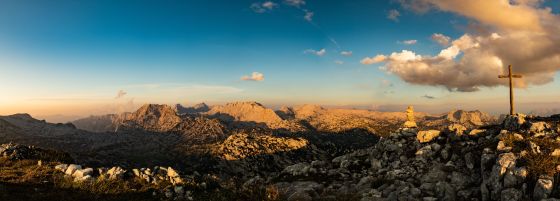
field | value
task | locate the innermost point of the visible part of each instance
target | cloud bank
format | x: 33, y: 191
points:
x: 520, y: 33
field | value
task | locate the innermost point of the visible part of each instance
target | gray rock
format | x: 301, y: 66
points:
x: 511, y: 194
x: 300, y: 169
x: 537, y: 128
x: 445, y: 191
x: 514, y: 122
x: 543, y: 188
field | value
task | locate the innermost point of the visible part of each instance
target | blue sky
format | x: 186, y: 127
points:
x: 81, y: 53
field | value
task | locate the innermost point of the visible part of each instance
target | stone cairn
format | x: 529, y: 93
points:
x: 410, y: 122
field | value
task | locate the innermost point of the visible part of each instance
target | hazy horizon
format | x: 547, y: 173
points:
x: 75, y: 59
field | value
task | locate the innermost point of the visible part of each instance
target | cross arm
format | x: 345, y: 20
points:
x: 513, y: 76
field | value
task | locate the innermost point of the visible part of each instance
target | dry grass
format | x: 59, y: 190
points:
x: 104, y: 186
x: 541, y: 164
x: 516, y: 144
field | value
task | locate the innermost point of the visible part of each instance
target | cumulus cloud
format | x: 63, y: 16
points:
x: 520, y: 33
x: 346, y: 53
x: 373, y: 60
x: 320, y: 53
x: 255, y: 76
x: 393, y: 15
x: 409, y: 42
x: 441, y: 39
x: 121, y: 93
x: 339, y: 62
x: 263, y: 7
x: 296, y: 3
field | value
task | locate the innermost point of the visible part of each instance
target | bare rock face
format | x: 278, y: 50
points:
x: 286, y: 113
x: 476, y: 117
x: 469, y: 119
x: 151, y: 117
x: 246, y: 111
x: 306, y: 111
x: 239, y: 146
x: 196, y: 109
x: 103, y: 123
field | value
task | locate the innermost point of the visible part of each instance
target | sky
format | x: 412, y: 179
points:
x: 75, y: 58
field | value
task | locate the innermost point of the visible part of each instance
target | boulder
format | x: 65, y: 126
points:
x: 537, y: 128
x: 300, y: 169
x: 543, y: 188
x: 80, y: 174
x: 116, y: 173
x: 475, y: 132
x: 555, y: 153
x: 61, y: 167
x: 427, y: 136
x: 511, y: 194
x: 172, y: 173
x: 456, y: 129
x: 514, y: 122
x: 72, y: 168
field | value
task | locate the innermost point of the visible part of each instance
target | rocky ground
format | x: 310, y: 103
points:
x: 304, y: 153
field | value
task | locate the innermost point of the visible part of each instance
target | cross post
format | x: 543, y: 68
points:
x: 510, y: 75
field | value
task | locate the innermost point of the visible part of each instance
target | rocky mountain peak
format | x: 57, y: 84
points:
x: 151, y: 117
x: 307, y: 110
x: 22, y: 116
x: 469, y: 117
x: 245, y: 111
x: 196, y: 109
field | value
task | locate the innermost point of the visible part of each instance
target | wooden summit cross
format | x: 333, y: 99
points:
x: 510, y: 75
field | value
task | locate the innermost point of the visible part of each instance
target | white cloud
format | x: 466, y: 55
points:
x: 339, y: 62
x: 441, y: 39
x: 372, y: 60
x: 409, y: 42
x: 269, y: 5
x: 121, y: 93
x: 393, y: 15
x: 308, y: 16
x: 263, y: 7
x: 320, y: 53
x: 255, y: 76
x: 346, y: 53
x: 296, y: 3
x: 522, y: 33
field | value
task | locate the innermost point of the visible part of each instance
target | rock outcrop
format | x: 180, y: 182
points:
x: 196, y: 109
x: 103, y: 123
x: 423, y: 165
